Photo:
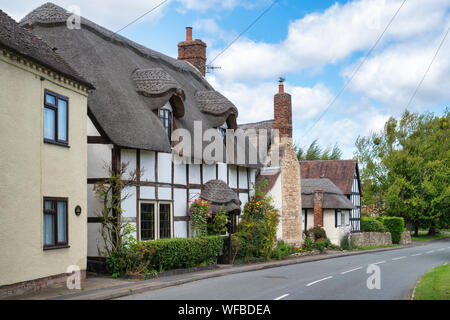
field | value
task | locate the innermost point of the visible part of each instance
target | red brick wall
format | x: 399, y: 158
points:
x: 318, y: 211
x: 282, y: 113
x: 194, y: 52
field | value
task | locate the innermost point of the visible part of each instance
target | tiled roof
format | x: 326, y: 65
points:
x: 21, y: 41
x: 341, y: 172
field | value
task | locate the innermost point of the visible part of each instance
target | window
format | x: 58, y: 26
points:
x: 305, y: 219
x: 343, y: 219
x: 56, y: 118
x: 55, y: 222
x: 165, y: 116
x: 223, y: 131
x: 156, y: 220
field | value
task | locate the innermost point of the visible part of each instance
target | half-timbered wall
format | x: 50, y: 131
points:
x: 355, y: 198
x: 161, y: 181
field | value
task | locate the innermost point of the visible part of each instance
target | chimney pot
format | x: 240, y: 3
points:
x: 188, y: 33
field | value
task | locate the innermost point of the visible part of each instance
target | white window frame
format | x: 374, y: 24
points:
x: 156, y: 221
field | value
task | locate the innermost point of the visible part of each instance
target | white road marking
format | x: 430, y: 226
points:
x: 430, y: 251
x: 398, y: 258
x: 380, y: 262
x: 415, y: 255
x: 351, y: 270
x: 314, y: 282
x: 281, y: 297
x: 441, y: 249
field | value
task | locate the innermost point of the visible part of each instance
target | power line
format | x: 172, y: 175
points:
x: 246, y: 29
x: 356, y: 70
x: 140, y: 17
x: 428, y: 69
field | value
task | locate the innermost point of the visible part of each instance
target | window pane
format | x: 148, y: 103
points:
x: 62, y: 232
x: 50, y: 99
x: 164, y: 220
x: 147, y: 221
x: 62, y: 120
x: 49, y: 205
x: 49, y: 234
x: 49, y: 124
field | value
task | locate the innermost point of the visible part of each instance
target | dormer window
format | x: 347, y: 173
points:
x: 166, y: 117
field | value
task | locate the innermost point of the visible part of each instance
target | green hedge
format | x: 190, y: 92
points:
x: 395, y: 225
x: 369, y: 224
x: 166, y: 254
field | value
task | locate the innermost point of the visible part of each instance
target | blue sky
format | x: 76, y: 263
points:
x: 315, y: 45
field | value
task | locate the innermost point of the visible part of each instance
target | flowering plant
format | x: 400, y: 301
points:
x: 200, y: 211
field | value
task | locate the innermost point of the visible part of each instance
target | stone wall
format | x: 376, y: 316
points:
x: 291, y: 218
x: 406, y: 238
x: 371, y: 239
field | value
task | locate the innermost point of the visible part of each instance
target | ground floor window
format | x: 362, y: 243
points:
x: 155, y: 220
x: 55, y: 222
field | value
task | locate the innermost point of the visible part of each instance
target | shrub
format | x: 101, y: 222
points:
x: 395, y: 225
x: 317, y: 233
x: 256, y: 232
x: 282, y: 250
x: 308, y: 244
x: 218, y: 223
x: 346, y: 243
x: 320, y: 244
x: 200, y: 211
x: 372, y: 225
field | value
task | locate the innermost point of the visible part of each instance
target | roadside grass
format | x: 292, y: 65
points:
x: 423, y: 236
x: 434, y: 285
x: 376, y: 247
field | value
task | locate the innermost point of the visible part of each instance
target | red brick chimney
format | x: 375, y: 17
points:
x: 193, y: 51
x: 282, y: 112
x: 318, y: 211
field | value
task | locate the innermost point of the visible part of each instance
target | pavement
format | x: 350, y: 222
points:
x: 104, y: 288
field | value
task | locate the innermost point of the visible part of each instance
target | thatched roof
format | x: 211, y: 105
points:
x: 132, y: 81
x: 333, y: 197
x: 341, y: 172
x: 21, y: 41
x: 221, y: 195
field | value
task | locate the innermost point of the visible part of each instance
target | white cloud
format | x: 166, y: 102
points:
x: 331, y: 36
x: 392, y: 76
x: 255, y: 101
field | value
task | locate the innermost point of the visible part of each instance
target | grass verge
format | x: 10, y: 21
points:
x: 426, y: 237
x: 377, y: 247
x: 434, y: 285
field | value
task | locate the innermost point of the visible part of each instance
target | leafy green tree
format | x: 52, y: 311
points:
x: 405, y: 169
x: 316, y: 152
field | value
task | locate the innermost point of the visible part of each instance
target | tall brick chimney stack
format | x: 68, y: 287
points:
x: 193, y: 51
x: 282, y: 112
x: 318, y: 210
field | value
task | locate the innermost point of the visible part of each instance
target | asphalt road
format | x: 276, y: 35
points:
x: 339, y: 278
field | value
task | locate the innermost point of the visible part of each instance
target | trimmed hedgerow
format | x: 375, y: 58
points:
x: 167, y: 254
x: 369, y: 224
x: 395, y: 225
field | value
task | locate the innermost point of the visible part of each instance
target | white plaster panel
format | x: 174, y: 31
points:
x: 233, y: 177
x: 164, y: 194
x: 91, y: 130
x: 244, y: 199
x: 223, y: 172
x: 99, y: 157
x: 128, y: 156
x: 243, y: 178
x: 194, y: 194
x: 209, y: 172
x: 94, y: 205
x: 94, y: 239
x: 180, y: 230
x: 179, y: 202
x: 147, y: 193
x: 129, y: 204
x: 194, y: 174
x: 148, y: 164
x: 164, y: 167
x: 179, y: 172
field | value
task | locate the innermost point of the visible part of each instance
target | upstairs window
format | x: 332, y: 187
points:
x: 166, y: 116
x: 56, y: 118
x: 223, y: 130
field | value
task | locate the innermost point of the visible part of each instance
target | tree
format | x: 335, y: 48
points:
x: 315, y: 152
x: 405, y: 169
